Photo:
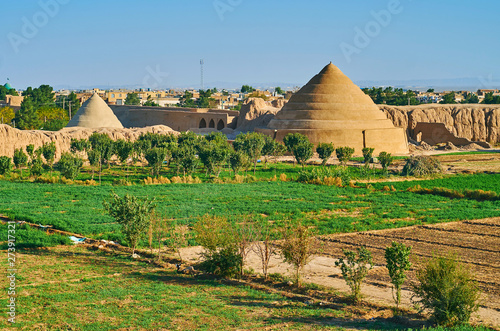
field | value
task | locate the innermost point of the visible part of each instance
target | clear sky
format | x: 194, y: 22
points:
x: 159, y: 43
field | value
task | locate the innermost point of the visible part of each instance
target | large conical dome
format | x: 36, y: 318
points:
x: 95, y: 113
x: 331, y: 108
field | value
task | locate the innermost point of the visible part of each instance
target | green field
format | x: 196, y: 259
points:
x: 330, y: 209
x: 74, y: 288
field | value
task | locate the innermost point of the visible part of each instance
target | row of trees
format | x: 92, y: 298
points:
x: 187, y: 151
x: 444, y: 286
x: 392, y: 96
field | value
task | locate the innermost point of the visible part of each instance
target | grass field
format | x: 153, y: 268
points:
x: 74, y: 288
x: 330, y: 209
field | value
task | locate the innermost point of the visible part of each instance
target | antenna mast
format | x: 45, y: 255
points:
x: 201, y: 65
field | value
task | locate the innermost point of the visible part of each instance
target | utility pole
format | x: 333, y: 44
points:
x: 70, y: 110
x: 201, y: 65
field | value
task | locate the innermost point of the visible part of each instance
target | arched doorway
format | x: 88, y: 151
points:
x: 211, y: 124
x: 203, y: 123
x: 220, y: 125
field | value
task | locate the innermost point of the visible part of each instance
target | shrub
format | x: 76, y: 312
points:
x: 297, y: 248
x: 155, y: 157
x: 419, y: 166
x: 367, y: 155
x: 355, y: 268
x: 448, y: 289
x: 225, y: 263
x: 385, y: 160
x: 20, y: 158
x: 219, y: 240
x: 397, y: 257
x: 133, y: 214
x: 325, y: 150
x: 5, y: 165
x: 299, y: 145
x: 69, y: 165
x: 49, y: 153
x: 344, y: 154
x: 36, y: 167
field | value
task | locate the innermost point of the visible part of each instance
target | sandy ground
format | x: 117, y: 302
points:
x: 321, y: 270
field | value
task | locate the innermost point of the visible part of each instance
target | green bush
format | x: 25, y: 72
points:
x: 419, y: 166
x: 448, y: 289
x: 225, y: 262
x: 325, y: 150
x: 36, y: 167
x: 397, y: 257
x: 367, y: 154
x: 5, y: 165
x: 344, y: 154
x: 385, y: 160
x: 69, y: 165
x: 355, y: 268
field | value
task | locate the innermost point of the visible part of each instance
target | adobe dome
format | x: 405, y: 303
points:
x: 95, y: 113
x: 331, y: 108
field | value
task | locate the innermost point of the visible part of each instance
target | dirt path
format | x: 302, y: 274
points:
x: 466, y: 238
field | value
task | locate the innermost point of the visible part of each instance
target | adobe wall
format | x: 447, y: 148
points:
x: 179, y: 119
x: 475, y: 122
x: 391, y: 140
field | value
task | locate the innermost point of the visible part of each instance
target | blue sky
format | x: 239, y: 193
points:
x: 155, y: 43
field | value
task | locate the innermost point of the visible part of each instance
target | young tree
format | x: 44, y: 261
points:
x: 299, y: 145
x: 133, y: 214
x: 344, y: 154
x: 297, y: 248
x: 448, y: 289
x: 36, y: 166
x: 49, y: 153
x: 325, y: 150
x: 245, y: 236
x: 385, y: 160
x: 79, y: 145
x: 20, y: 159
x: 367, y: 155
x: 397, y: 257
x: 265, y: 248
x: 5, y: 165
x: 123, y: 149
x: 69, y: 165
x: 30, y: 149
x: 238, y: 161
x: 355, y: 268
x: 214, y: 154
x: 155, y: 157
x: 251, y: 144
x: 217, y: 237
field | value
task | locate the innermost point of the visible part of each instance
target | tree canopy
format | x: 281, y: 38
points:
x: 392, y: 96
x: 132, y: 99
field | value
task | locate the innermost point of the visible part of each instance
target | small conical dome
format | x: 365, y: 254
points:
x: 95, y: 113
x: 331, y: 108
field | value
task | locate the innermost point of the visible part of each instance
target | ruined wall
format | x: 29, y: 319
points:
x: 473, y: 122
x: 179, y: 119
x: 11, y: 138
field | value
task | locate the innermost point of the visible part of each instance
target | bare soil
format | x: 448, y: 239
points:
x: 476, y: 243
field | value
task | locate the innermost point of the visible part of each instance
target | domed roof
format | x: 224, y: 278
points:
x: 330, y: 99
x: 95, y: 113
x: 331, y: 108
x: 8, y: 86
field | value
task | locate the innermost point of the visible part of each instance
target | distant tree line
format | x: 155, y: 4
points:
x: 392, y: 96
x: 40, y: 110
